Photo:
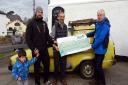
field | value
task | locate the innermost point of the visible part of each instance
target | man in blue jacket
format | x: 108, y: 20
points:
x: 100, y: 43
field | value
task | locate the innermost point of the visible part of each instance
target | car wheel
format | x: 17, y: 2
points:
x: 87, y: 70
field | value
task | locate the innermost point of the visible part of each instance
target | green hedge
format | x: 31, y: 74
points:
x: 5, y: 40
x: 1, y: 56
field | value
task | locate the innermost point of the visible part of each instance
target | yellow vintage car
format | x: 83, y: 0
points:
x: 82, y: 61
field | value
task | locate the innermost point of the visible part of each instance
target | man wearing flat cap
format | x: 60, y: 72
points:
x: 37, y: 37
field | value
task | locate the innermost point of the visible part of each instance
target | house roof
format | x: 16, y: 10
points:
x: 11, y: 16
x: 14, y: 17
x: 15, y: 21
x: 2, y: 12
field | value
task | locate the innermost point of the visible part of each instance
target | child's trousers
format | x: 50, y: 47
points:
x: 22, y: 82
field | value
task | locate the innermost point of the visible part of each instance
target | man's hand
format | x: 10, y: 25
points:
x: 19, y: 78
x: 36, y: 52
x: 55, y: 42
x: 56, y: 47
x: 85, y: 32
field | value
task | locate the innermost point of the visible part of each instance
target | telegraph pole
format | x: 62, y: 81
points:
x: 33, y: 7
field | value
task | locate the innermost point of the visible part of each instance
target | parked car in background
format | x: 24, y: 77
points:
x: 16, y: 39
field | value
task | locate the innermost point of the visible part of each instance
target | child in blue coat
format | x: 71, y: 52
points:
x: 21, y: 67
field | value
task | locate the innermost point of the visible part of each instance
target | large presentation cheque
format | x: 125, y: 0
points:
x: 73, y: 44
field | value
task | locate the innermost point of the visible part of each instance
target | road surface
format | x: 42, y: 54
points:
x: 116, y: 75
x: 8, y: 48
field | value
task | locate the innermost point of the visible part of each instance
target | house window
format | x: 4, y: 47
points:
x: 10, y: 29
x: 17, y: 24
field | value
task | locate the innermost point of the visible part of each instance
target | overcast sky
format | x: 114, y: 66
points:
x: 24, y: 8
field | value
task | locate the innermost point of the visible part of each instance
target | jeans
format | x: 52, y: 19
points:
x: 45, y: 59
x: 22, y: 82
x: 99, y: 73
x: 60, y: 65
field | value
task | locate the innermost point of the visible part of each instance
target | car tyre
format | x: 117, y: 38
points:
x: 87, y: 70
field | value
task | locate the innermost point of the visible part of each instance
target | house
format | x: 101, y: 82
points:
x: 3, y: 21
x: 16, y: 27
x: 11, y: 24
